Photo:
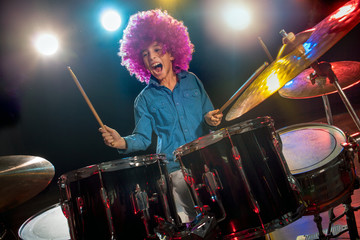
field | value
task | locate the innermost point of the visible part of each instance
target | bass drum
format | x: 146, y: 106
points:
x: 240, y: 175
x: 317, y: 159
x: 121, y: 199
x: 49, y: 223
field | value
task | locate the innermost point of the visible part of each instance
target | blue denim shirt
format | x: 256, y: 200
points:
x: 176, y: 117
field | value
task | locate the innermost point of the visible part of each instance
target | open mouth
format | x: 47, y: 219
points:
x: 157, y: 67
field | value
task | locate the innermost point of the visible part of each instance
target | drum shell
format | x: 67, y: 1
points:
x: 327, y: 187
x: 270, y: 181
x: 109, y: 207
x: 80, y: 198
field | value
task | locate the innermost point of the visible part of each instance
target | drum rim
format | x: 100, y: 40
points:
x: 220, y: 134
x: 80, y: 173
x: 315, y: 125
x: 37, y: 214
x: 130, y: 162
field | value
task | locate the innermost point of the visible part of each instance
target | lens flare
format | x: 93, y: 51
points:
x: 46, y: 44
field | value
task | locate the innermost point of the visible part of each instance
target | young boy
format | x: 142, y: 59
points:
x: 174, y: 105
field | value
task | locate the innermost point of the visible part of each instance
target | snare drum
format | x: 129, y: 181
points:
x: 49, y: 223
x: 118, y: 199
x: 320, y: 163
x: 240, y: 173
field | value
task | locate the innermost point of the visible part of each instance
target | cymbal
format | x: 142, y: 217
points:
x: 347, y: 73
x: 324, y: 35
x: 21, y: 178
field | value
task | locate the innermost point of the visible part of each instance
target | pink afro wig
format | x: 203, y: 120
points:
x: 154, y: 25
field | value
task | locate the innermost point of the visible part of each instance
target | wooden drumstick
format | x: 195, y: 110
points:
x: 86, y: 98
x: 265, y: 49
x: 244, y: 86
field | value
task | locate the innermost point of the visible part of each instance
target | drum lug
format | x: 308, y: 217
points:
x: 235, y: 152
x: 106, y: 203
x: 350, y: 149
x: 237, y: 157
x: 162, y: 184
x: 355, y: 139
x: 65, y: 209
x: 277, y: 141
x: 80, y: 204
x: 212, y: 182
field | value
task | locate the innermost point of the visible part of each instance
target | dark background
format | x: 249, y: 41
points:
x: 44, y: 114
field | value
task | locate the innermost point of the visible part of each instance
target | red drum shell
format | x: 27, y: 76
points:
x: 118, y: 199
x: 239, y: 170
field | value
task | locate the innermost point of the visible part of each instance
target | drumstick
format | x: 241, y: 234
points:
x: 265, y: 49
x: 86, y: 98
x: 244, y: 86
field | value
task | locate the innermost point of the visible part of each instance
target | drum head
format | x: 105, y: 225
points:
x: 48, y: 224
x: 310, y: 146
x: 131, y: 162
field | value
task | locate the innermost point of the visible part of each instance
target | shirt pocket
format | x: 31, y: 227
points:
x: 162, y: 113
x: 192, y: 93
x: 192, y: 100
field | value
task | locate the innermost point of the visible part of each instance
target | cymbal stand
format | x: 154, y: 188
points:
x: 328, y: 113
x: 336, y: 231
x: 325, y: 69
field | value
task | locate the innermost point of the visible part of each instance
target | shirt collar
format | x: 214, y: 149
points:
x: 153, y: 81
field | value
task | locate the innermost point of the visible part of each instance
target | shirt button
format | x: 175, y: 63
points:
x: 185, y: 130
x: 177, y: 104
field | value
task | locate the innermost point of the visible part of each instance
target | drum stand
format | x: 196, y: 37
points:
x: 324, y: 69
x: 6, y: 233
x: 336, y: 231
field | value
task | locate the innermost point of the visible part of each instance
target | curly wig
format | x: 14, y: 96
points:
x: 147, y: 27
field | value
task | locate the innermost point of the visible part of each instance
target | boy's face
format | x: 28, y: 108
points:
x: 159, y: 64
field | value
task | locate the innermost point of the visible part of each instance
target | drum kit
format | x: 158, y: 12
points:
x: 246, y: 180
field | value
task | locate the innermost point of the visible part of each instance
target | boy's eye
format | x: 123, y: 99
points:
x: 144, y: 54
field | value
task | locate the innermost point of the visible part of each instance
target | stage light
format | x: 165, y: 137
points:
x: 232, y: 24
x: 46, y: 44
x: 236, y: 17
x: 110, y: 20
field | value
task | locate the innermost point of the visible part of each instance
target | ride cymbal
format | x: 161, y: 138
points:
x: 325, y: 34
x: 347, y: 73
x: 21, y: 178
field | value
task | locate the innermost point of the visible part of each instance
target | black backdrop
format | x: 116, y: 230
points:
x: 44, y: 114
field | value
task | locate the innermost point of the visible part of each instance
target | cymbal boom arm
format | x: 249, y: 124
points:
x: 325, y: 69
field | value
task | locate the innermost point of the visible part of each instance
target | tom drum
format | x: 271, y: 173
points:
x: 121, y: 199
x: 240, y: 174
x: 318, y: 160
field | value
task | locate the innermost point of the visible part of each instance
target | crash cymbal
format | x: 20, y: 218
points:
x: 325, y: 34
x: 21, y: 178
x: 347, y: 73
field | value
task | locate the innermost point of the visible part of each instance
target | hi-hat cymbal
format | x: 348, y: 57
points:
x: 347, y: 73
x: 325, y: 34
x: 21, y: 178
